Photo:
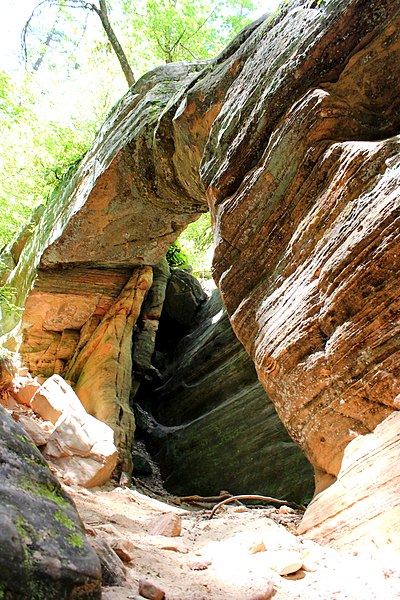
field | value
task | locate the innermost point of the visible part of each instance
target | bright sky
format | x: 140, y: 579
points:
x: 15, y: 13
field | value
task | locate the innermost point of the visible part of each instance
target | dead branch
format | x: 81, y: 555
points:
x: 254, y: 497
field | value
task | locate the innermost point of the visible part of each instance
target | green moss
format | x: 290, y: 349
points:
x: 75, y: 539
x: 62, y: 518
x: 21, y: 525
x: 42, y: 490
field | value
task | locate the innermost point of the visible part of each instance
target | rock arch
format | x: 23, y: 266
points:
x: 292, y: 136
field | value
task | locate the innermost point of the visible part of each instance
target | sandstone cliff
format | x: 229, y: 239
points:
x: 292, y: 135
x: 217, y: 429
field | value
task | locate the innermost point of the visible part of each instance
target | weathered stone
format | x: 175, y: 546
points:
x: 7, y: 372
x: 82, y: 450
x: 218, y: 428
x: 54, y: 398
x: 169, y: 525
x: 43, y: 549
x: 183, y: 297
x: 145, y: 331
x: 150, y: 591
x: 306, y: 216
x: 24, y: 393
x: 38, y: 436
x: 294, y: 132
x: 103, y: 367
x: 123, y: 548
x: 362, y: 509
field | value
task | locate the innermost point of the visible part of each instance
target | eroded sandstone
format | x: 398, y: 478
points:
x: 292, y: 133
x: 216, y: 429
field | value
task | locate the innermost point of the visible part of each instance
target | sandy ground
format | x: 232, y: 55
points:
x: 234, y: 556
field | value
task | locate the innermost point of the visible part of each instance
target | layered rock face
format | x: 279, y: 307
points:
x: 294, y: 131
x: 217, y: 428
x: 92, y: 253
x: 302, y: 170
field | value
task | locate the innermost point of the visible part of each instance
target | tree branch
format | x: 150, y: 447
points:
x: 102, y: 13
x: 254, y: 497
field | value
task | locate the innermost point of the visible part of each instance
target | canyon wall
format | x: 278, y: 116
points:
x: 292, y: 136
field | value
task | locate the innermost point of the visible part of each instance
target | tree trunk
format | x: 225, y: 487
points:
x: 112, y: 38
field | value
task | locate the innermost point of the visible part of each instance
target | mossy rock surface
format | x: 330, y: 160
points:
x: 44, y: 554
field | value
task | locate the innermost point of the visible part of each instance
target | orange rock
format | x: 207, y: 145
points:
x: 150, y: 591
x: 24, y: 393
x: 169, y: 525
x: 124, y: 548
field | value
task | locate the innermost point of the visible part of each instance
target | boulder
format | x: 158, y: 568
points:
x: 169, y: 525
x: 82, y: 451
x: 112, y: 570
x: 43, y: 549
x: 80, y: 448
x: 183, y: 297
x: 38, y: 435
x: 55, y: 398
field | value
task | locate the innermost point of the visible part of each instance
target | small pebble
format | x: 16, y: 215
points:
x: 150, y: 591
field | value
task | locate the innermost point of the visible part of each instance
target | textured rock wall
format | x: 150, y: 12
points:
x: 217, y: 428
x: 302, y: 173
x: 294, y: 130
x: 121, y: 210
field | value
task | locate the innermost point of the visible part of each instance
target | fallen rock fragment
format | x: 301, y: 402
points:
x: 54, y: 398
x: 24, y: 392
x: 80, y: 449
x: 169, y: 525
x: 123, y: 548
x: 259, y: 547
x: 150, y: 591
x: 38, y: 436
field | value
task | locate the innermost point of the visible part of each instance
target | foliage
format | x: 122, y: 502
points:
x: 150, y: 31
x: 189, y: 29
x: 194, y: 248
x: 43, y: 134
x: 36, y: 153
x: 176, y: 257
x: 54, y: 33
